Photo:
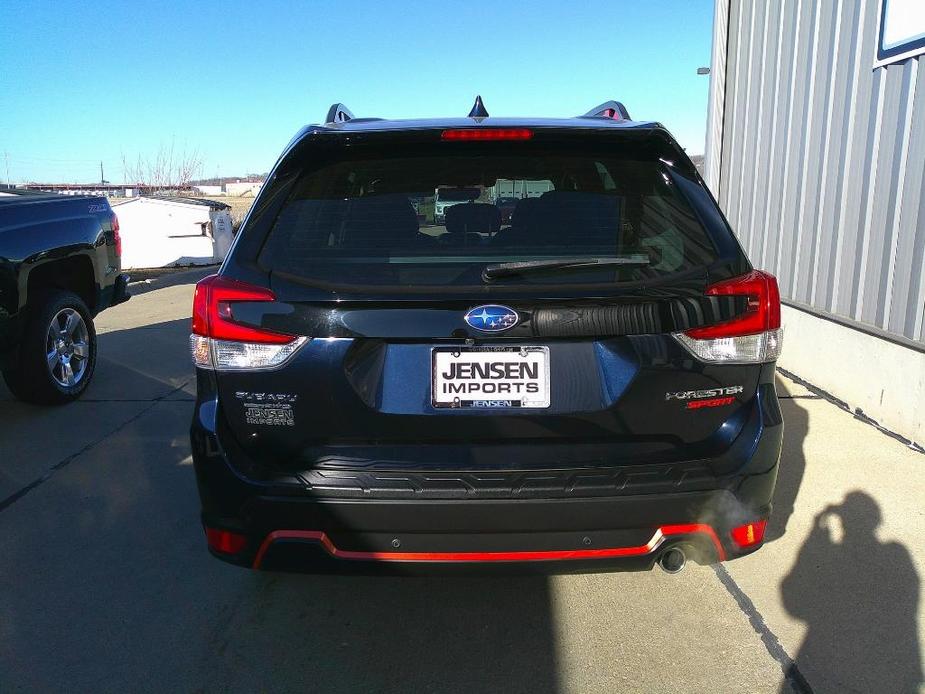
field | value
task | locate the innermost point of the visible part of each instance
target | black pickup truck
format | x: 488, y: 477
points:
x: 59, y: 267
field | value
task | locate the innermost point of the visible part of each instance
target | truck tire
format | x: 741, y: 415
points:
x: 57, y: 354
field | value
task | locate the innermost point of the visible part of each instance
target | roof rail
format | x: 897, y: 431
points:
x: 609, y: 109
x: 338, y: 113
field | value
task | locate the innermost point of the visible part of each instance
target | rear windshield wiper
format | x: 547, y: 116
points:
x: 556, y: 264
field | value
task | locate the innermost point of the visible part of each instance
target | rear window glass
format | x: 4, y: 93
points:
x: 440, y: 219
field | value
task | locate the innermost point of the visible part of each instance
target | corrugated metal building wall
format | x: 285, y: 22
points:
x: 822, y: 157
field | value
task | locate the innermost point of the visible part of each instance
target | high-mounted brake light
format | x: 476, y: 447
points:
x: 218, y: 341
x: 754, y: 336
x: 482, y: 134
x: 116, y: 237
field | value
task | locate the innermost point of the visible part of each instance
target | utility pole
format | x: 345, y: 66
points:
x: 102, y: 177
x: 6, y: 158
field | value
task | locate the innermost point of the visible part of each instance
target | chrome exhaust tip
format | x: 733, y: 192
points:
x: 672, y: 560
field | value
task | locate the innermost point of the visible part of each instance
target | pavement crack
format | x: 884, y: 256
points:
x: 67, y: 460
x: 857, y: 412
x: 772, y: 644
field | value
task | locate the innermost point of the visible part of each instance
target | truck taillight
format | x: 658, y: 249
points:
x: 116, y: 237
x: 220, y: 342
x: 752, y: 337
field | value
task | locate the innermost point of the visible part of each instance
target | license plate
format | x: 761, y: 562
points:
x: 490, y: 377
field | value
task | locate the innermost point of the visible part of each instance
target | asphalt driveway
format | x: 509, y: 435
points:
x: 105, y: 583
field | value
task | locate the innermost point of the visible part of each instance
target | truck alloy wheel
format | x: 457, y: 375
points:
x: 67, y: 347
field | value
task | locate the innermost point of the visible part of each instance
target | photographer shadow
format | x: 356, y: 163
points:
x: 859, y: 598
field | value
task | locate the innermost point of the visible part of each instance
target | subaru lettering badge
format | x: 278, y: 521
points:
x: 492, y: 318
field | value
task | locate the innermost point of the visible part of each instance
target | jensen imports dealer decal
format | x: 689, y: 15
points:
x: 709, y: 397
x: 268, y: 409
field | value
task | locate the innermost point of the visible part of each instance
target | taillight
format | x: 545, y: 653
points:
x: 225, y: 541
x: 116, y: 238
x: 750, y: 534
x: 220, y: 342
x: 482, y: 134
x: 752, y: 337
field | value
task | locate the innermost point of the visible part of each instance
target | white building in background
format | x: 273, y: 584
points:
x: 209, y: 190
x: 243, y: 187
x: 164, y: 232
x: 815, y: 151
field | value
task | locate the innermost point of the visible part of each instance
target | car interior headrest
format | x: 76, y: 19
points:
x: 469, y: 217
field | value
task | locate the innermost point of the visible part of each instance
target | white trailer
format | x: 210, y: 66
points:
x: 507, y: 188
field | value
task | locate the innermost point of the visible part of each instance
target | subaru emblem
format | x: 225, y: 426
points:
x: 492, y: 318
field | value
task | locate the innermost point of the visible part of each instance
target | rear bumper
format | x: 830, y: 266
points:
x: 286, y: 525
x: 663, y: 536
x: 120, y: 292
x: 525, y: 536
x: 552, y: 536
x: 114, y: 294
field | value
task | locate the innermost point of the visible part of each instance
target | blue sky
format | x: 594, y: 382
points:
x: 90, y: 81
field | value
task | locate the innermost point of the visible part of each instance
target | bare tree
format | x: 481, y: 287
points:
x: 169, y: 168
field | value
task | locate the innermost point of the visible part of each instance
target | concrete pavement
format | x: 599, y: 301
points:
x: 105, y: 584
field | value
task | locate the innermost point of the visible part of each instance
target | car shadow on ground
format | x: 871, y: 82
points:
x: 859, y: 599
x: 792, y: 463
x: 370, y: 634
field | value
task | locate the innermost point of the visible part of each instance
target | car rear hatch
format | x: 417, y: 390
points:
x: 614, y: 322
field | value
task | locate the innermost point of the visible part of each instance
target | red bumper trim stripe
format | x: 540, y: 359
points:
x: 661, y: 534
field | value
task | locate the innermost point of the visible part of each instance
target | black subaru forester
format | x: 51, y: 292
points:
x: 586, y: 386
